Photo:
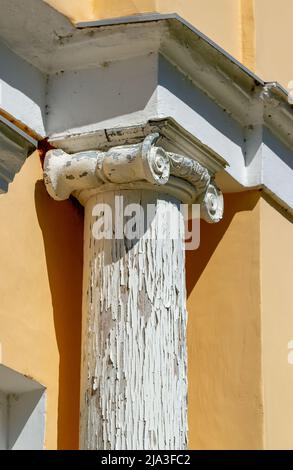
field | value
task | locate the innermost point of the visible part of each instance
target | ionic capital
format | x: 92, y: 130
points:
x: 144, y: 165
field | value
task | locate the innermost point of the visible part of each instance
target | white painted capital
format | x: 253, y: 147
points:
x: 133, y: 394
x: 138, y: 166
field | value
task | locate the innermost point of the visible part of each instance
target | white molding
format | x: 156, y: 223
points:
x: 210, y: 95
x: 15, y: 146
x: 52, y: 44
x: 174, y: 138
x: 143, y: 165
x: 22, y: 91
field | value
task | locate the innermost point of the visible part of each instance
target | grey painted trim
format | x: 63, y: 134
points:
x: 157, y: 17
x: 69, y: 54
x: 145, y: 18
x: 22, y: 411
x: 19, y: 131
x: 15, y: 146
x: 12, y: 381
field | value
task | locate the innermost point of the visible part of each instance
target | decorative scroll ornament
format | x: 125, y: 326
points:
x: 212, y: 204
x: 65, y: 174
x: 133, y: 166
x: 190, y: 170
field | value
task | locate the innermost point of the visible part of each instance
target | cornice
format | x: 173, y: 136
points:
x: 15, y: 146
x: 53, y: 44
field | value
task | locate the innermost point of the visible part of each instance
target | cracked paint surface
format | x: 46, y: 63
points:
x: 133, y: 385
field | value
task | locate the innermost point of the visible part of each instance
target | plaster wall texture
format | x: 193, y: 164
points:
x: 40, y: 291
x: 277, y: 325
x: 224, y: 330
x: 273, y: 40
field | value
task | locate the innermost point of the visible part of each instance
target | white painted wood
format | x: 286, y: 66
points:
x: 136, y: 166
x: 133, y: 384
x: 133, y: 374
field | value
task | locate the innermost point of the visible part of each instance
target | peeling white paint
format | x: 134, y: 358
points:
x: 134, y: 388
x: 133, y: 374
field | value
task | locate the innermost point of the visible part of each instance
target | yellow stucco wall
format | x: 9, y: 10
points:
x: 40, y: 296
x: 248, y: 33
x: 273, y: 26
x: 277, y: 325
x: 224, y: 330
x: 40, y: 313
x: 240, y: 324
x: 240, y: 320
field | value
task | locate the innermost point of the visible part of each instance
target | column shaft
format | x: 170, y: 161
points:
x: 133, y: 380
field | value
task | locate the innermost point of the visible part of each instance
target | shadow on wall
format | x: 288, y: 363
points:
x: 224, y: 346
x: 212, y: 234
x: 62, y: 227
